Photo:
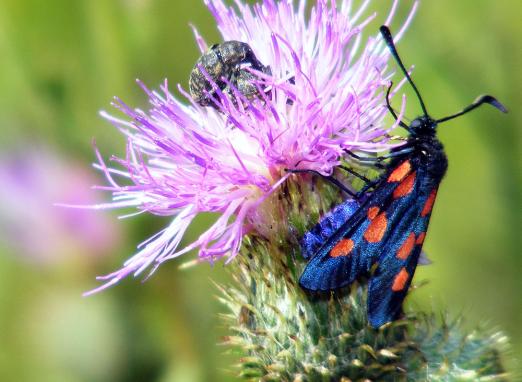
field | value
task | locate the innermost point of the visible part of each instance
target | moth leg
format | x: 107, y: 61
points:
x: 356, y: 174
x: 376, y: 161
x: 330, y: 179
x: 368, y: 183
x: 367, y: 161
x: 363, y: 190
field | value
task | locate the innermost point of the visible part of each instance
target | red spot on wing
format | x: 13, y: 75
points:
x: 429, y: 203
x: 342, y: 248
x: 400, y: 172
x: 420, y: 238
x: 405, y: 250
x: 400, y: 280
x: 375, y: 231
x: 405, y: 187
x: 373, y: 212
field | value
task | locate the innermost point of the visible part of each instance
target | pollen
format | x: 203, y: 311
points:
x: 375, y: 231
x: 429, y: 203
x: 342, y: 248
x: 405, y: 187
x: 400, y: 172
x: 420, y: 238
x: 405, y: 250
x: 373, y: 212
x: 400, y: 280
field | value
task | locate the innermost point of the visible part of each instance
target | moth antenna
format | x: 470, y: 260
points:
x: 390, y: 108
x: 478, y: 102
x: 388, y: 38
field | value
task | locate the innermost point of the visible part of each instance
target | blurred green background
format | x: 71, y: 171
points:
x: 61, y: 62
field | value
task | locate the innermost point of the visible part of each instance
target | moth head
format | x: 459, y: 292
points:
x: 424, y: 125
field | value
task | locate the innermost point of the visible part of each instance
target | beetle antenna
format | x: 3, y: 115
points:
x: 479, y: 101
x: 388, y: 38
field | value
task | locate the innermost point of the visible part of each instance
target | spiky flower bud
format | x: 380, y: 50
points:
x: 283, y: 334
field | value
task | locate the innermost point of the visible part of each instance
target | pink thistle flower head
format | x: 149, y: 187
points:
x: 326, y: 95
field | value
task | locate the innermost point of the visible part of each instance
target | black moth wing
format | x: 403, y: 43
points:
x: 325, y: 272
x: 373, y: 229
x: 391, y: 279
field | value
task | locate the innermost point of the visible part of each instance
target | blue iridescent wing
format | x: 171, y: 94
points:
x: 329, y: 223
x: 388, y: 288
x: 372, y: 234
x: 389, y: 283
x: 345, y: 255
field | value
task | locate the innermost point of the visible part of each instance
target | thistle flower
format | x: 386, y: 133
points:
x: 327, y: 95
x: 321, y: 91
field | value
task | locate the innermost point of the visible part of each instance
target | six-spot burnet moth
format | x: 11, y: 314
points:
x: 379, y: 233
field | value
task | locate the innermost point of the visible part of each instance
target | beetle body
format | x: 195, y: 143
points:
x: 225, y: 64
